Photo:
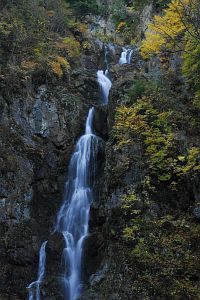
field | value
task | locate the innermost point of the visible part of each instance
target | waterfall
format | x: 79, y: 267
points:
x: 125, y: 56
x: 73, y: 217
x: 105, y: 85
x: 106, y: 52
x: 104, y: 81
x: 34, y: 287
x: 129, y: 55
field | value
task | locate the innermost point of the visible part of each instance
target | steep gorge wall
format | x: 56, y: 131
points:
x: 39, y: 127
x: 150, y: 229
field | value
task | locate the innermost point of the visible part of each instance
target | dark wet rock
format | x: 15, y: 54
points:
x: 100, y: 122
x: 93, y: 254
x: 51, y: 286
x: 39, y: 127
x: 55, y: 246
x: 99, y: 275
x: 196, y: 211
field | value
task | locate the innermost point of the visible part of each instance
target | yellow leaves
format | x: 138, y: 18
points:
x: 81, y: 27
x: 56, y: 68
x: 63, y: 62
x: 130, y: 232
x: 151, y: 44
x: 86, y: 45
x: 181, y: 158
x: 29, y: 65
x: 191, y: 162
x: 70, y: 45
x: 164, y: 29
x: 123, y: 142
x: 121, y: 27
x: 58, y: 65
x: 127, y: 118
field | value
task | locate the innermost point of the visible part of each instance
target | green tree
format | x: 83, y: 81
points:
x: 84, y: 7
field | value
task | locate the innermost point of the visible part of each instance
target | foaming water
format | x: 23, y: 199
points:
x: 105, y: 85
x: 125, y: 56
x: 34, y: 287
x: 73, y: 217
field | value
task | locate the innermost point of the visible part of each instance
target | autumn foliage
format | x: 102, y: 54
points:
x: 163, y: 30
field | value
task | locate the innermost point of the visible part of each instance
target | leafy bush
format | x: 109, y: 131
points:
x: 143, y: 121
x: 164, y: 29
x: 191, y: 62
x: 69, y: 45
x: 165, y: 254
x: 38, y: 35
x: 84, y: 7
x: 141, y: 86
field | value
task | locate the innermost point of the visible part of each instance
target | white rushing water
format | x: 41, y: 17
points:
x: 105, y: 85
x: 104, y: 81
x: 34, y: 287
x: 125, y: 56
x: 73, y: 217
x: 106, y: 52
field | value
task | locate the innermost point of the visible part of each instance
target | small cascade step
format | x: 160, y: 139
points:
x: 126, y: 56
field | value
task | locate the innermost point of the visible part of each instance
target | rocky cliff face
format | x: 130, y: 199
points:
x: 144, y: 223
x: 39, y: 127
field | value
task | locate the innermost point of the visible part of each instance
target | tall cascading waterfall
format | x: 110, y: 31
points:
x: 125, y: 56
x: 73, y: 217
x: 34, y: 287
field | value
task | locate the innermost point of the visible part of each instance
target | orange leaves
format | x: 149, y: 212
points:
x: 29, y: 65
x: 58, y: 65
x: 56, y: 68
x: 50, y: 13
x: 121, y: 27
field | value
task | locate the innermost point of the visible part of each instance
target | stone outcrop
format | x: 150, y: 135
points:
x: 39, y: 127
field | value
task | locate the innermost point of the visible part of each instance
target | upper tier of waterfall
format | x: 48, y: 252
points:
x: 105, y: 85
x: 125, y: 56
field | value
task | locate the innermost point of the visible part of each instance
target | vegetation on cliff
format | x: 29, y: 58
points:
x: 177, y: 30
x: 155, y: 139
x: 38, y: 37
